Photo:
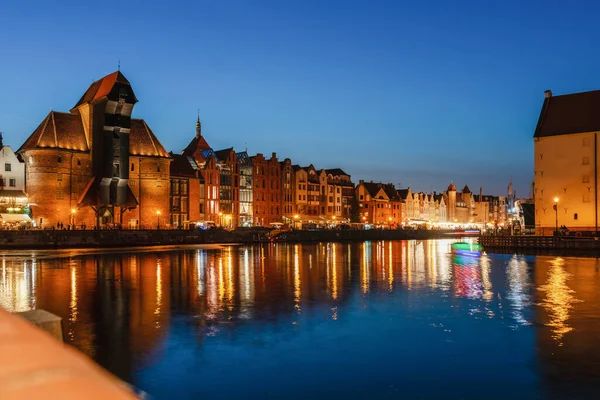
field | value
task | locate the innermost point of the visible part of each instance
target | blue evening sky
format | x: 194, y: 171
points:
x: 417, y: 92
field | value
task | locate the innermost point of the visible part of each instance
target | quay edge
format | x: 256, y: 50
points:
x: 62, y: 239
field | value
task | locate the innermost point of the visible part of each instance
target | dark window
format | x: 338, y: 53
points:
x: 59, y: 159
x: 13, y: 183
x: 78, y: 161
x: 132, y: 166
x: 574, y: 215
x: 7, y: 167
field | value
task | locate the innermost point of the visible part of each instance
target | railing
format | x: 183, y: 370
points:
x: 538, y: 242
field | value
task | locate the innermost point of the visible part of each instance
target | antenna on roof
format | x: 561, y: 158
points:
x: 119, y: 65
x: 246, y: 143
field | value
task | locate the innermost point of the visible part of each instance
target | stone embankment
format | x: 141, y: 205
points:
x: 540, y: 244
x: 55, y: 239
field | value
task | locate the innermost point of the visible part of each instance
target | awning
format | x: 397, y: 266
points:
x: 13, y: 194
x: 15, y: 218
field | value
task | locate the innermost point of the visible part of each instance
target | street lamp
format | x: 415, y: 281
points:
x: 556, y: 211
x: 157, y: 219
x: 73, y: 211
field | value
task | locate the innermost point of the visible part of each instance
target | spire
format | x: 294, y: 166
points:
x: 198, y: 126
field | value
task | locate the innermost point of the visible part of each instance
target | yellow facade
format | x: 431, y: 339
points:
x: 566, y: 169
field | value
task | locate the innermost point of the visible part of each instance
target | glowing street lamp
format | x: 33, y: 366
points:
x: 73, y: 211
x: 556, y: 211
x: 157, y: 219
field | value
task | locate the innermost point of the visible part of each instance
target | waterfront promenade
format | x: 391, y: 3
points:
x: 51, y: 239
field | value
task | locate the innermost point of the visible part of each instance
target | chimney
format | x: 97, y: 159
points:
x: 360, y: 182
x: 548, y: 93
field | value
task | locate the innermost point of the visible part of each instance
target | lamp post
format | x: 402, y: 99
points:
x: 220, y: 219
x: 73, y: 211
x: 157, y: 219
x: 556, y: 211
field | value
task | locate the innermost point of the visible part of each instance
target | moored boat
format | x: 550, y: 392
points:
x: 467, y: 249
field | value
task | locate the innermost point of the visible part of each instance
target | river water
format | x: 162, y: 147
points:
x: 389, y: 319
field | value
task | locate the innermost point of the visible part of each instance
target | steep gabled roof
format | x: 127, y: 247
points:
x: 466, y: 189
x: 403, y: 193
x: 196, y: 147
x: 243, y: 159
x: 102, y: 88
x: 569, y: 113
x: 143, y: 142
x: 182, y: 165
x: 223, y: 155
x: 374, y: 188
x: 336, y: 172
x: 65, y: 131
x: 58, y: 131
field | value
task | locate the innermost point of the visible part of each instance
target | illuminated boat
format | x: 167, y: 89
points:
x: 467, y: 249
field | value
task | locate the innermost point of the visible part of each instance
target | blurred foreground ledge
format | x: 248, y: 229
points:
x: 35, y: 365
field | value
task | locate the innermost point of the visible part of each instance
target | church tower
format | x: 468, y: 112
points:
x: 451, y: 206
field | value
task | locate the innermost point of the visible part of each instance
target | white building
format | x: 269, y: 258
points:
x: 12, y: 184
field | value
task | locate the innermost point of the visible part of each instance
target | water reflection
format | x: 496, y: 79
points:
x: 559, y: 299
x: 123, y: 309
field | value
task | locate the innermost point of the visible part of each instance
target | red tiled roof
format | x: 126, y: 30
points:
x: 58, y: 131
x: 101, y: 88
x: 143, y: 142
x: 65, y: 131
x: 195, y: 148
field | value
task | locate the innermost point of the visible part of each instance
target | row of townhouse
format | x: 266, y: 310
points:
x: 98, y: 166
x: 234, y: 189
x: 384, y: 204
